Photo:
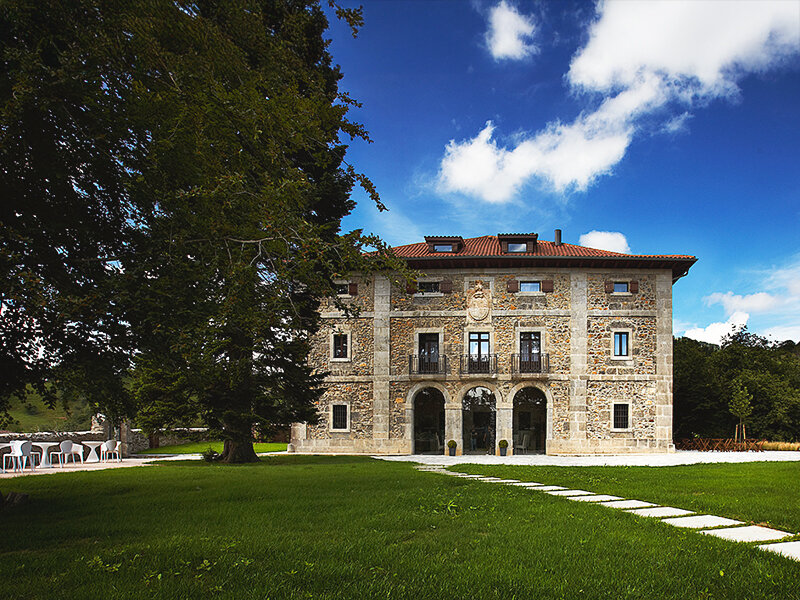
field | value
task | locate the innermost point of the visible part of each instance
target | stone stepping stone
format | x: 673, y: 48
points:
x: 548, y: 488
x: 627, y: 504
x: 570, y: 493
x: 661, y: 511
x: 504, y: 481
x: 472, y: 476
x: 751, y: 533
x: 700, y: 521
x: 528, y: 484
x: 788, y: 549
x: 594, y: 498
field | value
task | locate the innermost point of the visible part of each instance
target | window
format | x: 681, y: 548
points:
x: 530, y: 352
x: 442, y: 247
x: 620, y: 287
x: 479, y: 360
x: 428, y: 287
x: 530, y: 286
x: 342, y: 289
x: 339, y: 417
x: 621, y: 343
x: 517, y: 247
x: 621, y: 418
x: 340, y: 346
x: 428, y: 352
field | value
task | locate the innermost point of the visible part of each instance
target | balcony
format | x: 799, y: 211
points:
x: 485, y: 364
x: 427, y: 365
x: 530, y: 364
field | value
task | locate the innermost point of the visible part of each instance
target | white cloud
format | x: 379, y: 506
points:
x: 716, y: 331
x: 758, y: 302
x: 510, y: 34
x: 642, y: 58
x: 613, y: 241
x: 776, y: 311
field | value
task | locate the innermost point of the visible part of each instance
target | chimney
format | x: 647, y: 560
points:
x: 558, y: 237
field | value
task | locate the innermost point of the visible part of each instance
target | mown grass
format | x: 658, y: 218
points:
x: 762, y: 492
x: 345, y: 527
x: 199, y: 447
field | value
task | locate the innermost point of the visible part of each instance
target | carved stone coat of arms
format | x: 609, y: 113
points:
x: 479, y: 303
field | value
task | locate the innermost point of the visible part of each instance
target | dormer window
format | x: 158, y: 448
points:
x: 517, y: 243
x: 444, y: 243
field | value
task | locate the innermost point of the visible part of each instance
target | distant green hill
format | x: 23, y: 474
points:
x: 31, y: 414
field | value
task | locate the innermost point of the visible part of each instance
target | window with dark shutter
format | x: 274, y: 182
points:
x: 512, y: 286
x: 634, y: 287
x: 609, y: 287
x: 353, y: 289
x: 530, y: 286
x: 547, y: 286
x: 411, y: 287
x: 620, y: 287
x: 428, y: 287
x: 446, y: 286
x: 621, y: 416
x: 339, y: 416
x: 342, y: 289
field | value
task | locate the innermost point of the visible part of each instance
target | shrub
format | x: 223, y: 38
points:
x: 503, y: 443
x: 452, y: 444
x: 210, y: 455
x: 788, y: 446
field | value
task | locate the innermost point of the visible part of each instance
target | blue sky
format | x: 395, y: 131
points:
x: 673, y: 126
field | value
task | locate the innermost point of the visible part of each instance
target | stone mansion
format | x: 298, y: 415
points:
x: 552, y: 347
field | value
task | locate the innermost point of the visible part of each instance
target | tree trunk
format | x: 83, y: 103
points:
x: 238, y: 451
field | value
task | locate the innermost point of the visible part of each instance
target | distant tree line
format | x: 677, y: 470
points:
x: 745, y: 379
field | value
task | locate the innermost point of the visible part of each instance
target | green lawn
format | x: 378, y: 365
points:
x: 763, y: 492
x: 199, y: 447
x: 345, y: 527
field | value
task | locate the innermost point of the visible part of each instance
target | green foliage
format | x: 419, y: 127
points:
x: 746, y: 378
x: 452, y: 444
x: 177, y: 182
x: 503, y: 443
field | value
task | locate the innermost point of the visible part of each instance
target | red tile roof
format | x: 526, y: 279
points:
x: 489, y: 246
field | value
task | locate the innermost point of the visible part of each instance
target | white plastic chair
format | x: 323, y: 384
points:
x: 67, y: 449
x: 109, y: 449
x: 522, y: 448
x: 21, y: 451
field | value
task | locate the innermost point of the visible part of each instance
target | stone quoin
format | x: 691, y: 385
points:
x: 553, y: 347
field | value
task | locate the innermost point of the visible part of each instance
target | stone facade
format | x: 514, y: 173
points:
x: 371, y: 397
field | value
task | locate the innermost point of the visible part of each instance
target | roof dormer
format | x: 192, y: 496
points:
x: 517, y: 243
x: 444, y: 244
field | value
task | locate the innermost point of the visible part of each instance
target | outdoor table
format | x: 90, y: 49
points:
x: 45, y: 446
x: 93, y: 446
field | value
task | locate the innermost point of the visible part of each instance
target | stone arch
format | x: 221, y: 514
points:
x: 410, y: 407
x: 529, y: 432
x: 479, y: 418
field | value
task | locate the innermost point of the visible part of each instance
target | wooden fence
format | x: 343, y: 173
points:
x: 719, y: 445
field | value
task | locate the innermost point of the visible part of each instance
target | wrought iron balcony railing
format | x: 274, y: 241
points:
x: 474, y: 363
x: 530, y: 363
x: 427, y: 365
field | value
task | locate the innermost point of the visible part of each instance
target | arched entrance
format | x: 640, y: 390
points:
x: 530, y: 421
x: 428, y: 421
x: 479, y: 421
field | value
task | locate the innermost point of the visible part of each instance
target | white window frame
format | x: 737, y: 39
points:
x: 531, y: 280
x: 629, y: 355
x: 343, y: 282
x: 630, y: 415
x: 627, y: 291
x: 420, y: 294
x: 344, y: 403
x: 349, y: 335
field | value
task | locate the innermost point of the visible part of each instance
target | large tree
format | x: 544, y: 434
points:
x: 221, y: 124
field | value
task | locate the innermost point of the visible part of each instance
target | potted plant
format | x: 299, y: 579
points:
x: 451, y: 447
x: 503, y: 444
